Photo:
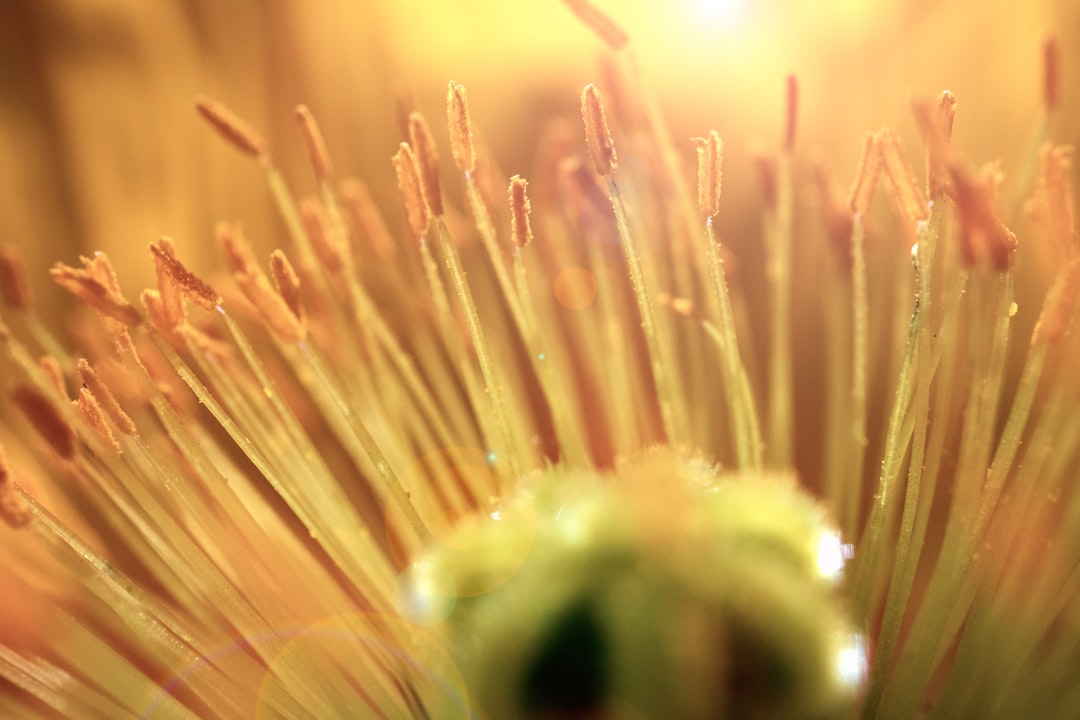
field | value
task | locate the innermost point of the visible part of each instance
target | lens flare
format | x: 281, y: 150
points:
x: 720, y: 11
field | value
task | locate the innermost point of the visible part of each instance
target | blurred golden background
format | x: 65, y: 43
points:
x: 100, y: 147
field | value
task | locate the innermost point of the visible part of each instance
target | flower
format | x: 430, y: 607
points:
x: 540, y: 456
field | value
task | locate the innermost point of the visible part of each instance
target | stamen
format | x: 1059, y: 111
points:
x: 767, y: 175
x: 368, y: 219
x: 316, y: 146
x: 189, y: 284
x: 1051, y: 74
x: 866, y: 175
x: 91, y: 411
x: 100, y: 268
x: 161, y: 317
x: 897, y: 168
x: 46, y: 419
x: 104, y: 396
x: 584, y: 200
x: 1052, y: 205
x: 318, y: 231
x: 237, y: 249
x: 597, y: 136
x: 287, y: 283
x: 13, y: 509
x: 947, y: 112
x: 404, y: 104
x: 620, y: 97
x: 14, y: 288
x: 154, y: 367
x: 51, y: 366
x: 86, y: 285
x: 167, y: 303
x: 231, y: 128
x: 937, y: 128
x: 981, y: 228
x: 275, y: 310
x: 204, y: 342
x: 412, y: 194
x: 604, y: 27
x: 461, y: 138
x: 836, y: 214
x: 709, y: 154
x: 520, y: 207
x: 427, y: 158
x: 1058, y: 307
x: 791, y: 107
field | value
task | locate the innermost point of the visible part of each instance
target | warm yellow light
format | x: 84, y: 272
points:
x: 720, y: 11
x: 852, y: 662
x: 832, y: 555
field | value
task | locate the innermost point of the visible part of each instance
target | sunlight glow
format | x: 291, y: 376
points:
x: 833, y: 554
x: 720, y: 11
x: 853, y: 662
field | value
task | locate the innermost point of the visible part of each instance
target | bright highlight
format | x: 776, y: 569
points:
x: 720, y: 11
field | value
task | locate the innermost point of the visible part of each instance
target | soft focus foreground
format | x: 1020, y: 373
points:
x: 401, y: 456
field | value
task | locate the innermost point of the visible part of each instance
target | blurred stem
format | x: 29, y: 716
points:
x: 778, y: 241
x: 860, y: 307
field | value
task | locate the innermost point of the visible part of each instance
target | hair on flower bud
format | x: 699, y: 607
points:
x: 520, y: 207
x: 104, y: 396
x: 14, y: 288
x: 460, y: 125
x: 46, y: 419
x: 427, y: 158
x: 231, y: 128
x: 316, y: 145
x: 894, y: 160
x: 1059, y: 305
x: 411, y: 189
x: 760, y: 535
x: 190, y: 285
x: 710, y: 151
x: 597, y: 136
x: 96, y: 288
x: 597, y: 21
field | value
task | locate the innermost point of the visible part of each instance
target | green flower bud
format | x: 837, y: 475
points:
x: 661, y: 590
